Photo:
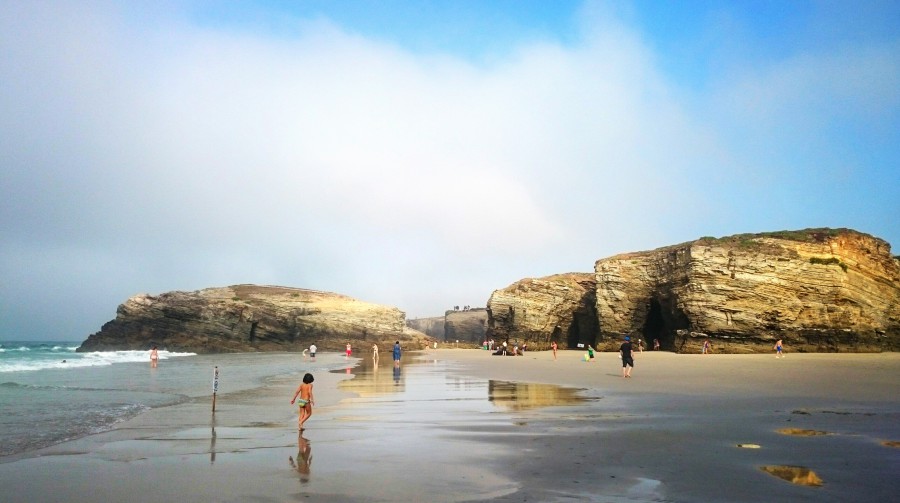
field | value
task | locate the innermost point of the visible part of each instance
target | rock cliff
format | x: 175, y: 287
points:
x: 468, y: 325
x: 561, y: 307
x: 250, y: 318
x: 818, y: 289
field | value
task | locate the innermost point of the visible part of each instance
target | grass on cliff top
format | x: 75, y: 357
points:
x: 816, y: 235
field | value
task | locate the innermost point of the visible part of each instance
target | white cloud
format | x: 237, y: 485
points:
x: 193, y: 157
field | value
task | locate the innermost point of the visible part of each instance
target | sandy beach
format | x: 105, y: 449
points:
x: 462, y: 425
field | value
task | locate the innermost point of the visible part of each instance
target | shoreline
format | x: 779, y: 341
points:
x: 453, y: 418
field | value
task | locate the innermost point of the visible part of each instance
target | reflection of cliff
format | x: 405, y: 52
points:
x: 524, y: 396
x: 372, y: 380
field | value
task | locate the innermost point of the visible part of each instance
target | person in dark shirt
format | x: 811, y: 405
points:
x: 627, y: 354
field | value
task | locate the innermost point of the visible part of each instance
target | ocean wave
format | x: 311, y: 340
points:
x: 80, y: 360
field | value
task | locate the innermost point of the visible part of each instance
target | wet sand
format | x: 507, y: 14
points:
x: 461, y: 425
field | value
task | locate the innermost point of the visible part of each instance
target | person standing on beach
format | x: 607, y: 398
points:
x: 590, y: 353
x: 306, y: 401
x: 553, y: 346
x: 626, y: 352
x: 779, y: 349
x: 375, y: 352
x: 706, y: 347
x: 312, y: 351
x: 154, y: 357
x: 349, y: 350
x: 397, y: 354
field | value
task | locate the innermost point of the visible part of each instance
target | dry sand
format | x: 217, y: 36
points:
x: 461, y: 425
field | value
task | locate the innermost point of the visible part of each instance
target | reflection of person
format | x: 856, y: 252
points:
x: 312, y: 350
x: 554, y: 349
x: 306, y: 401
x: 397, y: 353
x: 779, y: 349
x: 626, y: 352
x: 304, y: 458
x: 154, y: 357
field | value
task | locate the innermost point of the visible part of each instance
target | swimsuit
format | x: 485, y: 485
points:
x: 302, y: 402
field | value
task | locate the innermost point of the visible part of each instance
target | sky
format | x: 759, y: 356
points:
x: 420, y: 154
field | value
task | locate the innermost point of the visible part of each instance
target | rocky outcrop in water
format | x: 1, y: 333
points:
x: 820, y: 290
x: 251, y: 318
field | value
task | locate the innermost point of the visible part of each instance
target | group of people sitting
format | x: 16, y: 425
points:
x: 502, y: 350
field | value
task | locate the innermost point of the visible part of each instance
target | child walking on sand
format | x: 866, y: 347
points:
x: 306, y: 401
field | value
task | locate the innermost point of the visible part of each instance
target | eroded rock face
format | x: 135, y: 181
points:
x: 469, y: 325
x: 818, y: 290
x: 538, y: 311
x: 250, y: 318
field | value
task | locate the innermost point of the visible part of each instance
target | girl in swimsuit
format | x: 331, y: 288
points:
x: 306, y: 401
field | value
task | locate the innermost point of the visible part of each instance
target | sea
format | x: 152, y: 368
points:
x: 49, y: 393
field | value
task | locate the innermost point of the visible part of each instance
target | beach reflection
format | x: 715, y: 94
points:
x: 304, y: 458
x: 372, y: 380
x: 524, y: 396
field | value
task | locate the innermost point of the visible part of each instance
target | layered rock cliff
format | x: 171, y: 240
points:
x: 250, y: 318
x: 540, y: 310
x: 820, y: 290
x: 817, y: 289
x: 469, y: 325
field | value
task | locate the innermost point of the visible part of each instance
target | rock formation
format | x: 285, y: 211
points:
x: 468, y: 325
x: 251, y: 318
x: 817, y: 289
x: 538, y: 311
x: 432, y: 326
x: 823, y: 290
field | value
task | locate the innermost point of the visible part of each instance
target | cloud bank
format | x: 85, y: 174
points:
x: 156, y: 156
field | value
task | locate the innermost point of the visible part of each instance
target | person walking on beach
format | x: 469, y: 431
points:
x: 349, y: 350
x: 655, y: 344
x: 154, y: 357
x: 397, y: 354
x: 626, y: 352
x: 706, y: 347
x: 306, y: 401
x: 779, y: 349
x: 553, y: 346
x: 312, y: 351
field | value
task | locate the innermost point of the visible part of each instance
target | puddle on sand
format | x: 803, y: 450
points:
x: 374, y: 379
x: 523, y: 396
x: 798, y: 475
x: 798, y: 432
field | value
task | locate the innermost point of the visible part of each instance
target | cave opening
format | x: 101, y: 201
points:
x: 657, y: 326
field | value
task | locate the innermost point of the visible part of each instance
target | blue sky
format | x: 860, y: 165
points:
x: 424, y: 154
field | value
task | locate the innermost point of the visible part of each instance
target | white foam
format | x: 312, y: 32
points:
x: 92, y: 359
